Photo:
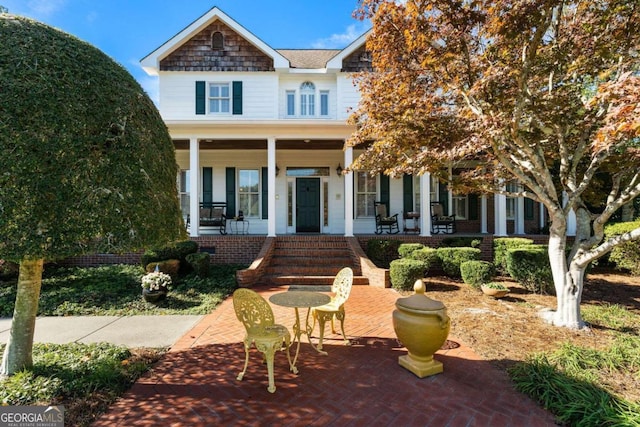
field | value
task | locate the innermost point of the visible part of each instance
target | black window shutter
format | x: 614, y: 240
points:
x: 265, y: 193
x: 407, y: 193
x: 443, y: 197
x: 473, y: 206
x: 231, y: 191
x: 528, y: 209
x: 201, y: 96
x: 237, y: 97
x: 207, y: 185
x: 384, y: 191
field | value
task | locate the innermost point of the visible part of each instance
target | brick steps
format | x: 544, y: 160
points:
x: 310, y: 260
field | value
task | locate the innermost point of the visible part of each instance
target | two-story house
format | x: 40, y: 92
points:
x: 263, y: 130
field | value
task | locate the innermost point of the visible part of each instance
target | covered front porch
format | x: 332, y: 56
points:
x: 288, y: 185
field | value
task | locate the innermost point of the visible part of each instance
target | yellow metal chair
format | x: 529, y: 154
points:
x: 335, y: 308
x: 256, y: 315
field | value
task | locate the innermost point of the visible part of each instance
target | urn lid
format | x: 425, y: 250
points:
x: 419, y: 301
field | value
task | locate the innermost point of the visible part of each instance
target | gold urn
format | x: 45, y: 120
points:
x: 422, y: 326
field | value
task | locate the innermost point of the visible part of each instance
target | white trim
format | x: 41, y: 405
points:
x: 194, y: 195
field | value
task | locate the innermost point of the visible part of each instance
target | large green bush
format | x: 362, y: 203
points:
x: 406, y: 249
x: 404, y: 272
x: 451, y: 258
x: 427, y: 255
x: 529, y: 266
x: 476, y: 273
x: 627, y: 255
x: 500, y: 248
x: 381, y: 252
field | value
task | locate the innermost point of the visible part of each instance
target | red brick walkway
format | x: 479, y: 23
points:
x: 359, y: 385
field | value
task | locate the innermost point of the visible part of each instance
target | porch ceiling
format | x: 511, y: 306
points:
x: 261, y: 144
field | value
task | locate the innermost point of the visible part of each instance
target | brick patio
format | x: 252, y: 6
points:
x: 359, y: 385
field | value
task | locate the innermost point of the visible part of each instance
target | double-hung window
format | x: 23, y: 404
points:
x: 291, y: 103
x: 511, y: 201
x: 219, y: 98
x: 324, y: 102
x: 460, y: 206
x: 249, y: 192
x: 365, y: 195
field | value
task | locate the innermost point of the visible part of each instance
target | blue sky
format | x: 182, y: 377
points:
x: 127, y: 30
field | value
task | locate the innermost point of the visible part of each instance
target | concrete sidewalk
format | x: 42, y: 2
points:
x: 130, y: 331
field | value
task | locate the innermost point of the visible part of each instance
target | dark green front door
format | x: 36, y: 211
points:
x: 308, y: 205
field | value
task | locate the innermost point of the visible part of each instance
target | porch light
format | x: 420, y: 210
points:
x: 339, y: 170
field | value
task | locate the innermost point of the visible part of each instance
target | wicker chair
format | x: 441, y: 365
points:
x: 256, y: 315
x: 335, y: 308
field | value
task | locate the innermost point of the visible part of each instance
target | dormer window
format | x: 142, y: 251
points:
x: 217, y: 41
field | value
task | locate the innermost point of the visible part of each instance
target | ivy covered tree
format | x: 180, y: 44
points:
x: 542, y: 93
x: 87, y: 163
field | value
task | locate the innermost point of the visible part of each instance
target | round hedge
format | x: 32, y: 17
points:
x: 87, y: 162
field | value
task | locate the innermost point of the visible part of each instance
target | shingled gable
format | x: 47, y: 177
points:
x: 350, y: 58
x: 170, y: 56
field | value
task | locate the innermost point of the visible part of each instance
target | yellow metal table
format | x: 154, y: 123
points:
x: 297, y: 300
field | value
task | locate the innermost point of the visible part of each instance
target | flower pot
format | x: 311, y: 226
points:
x: 422, y: 325
x: 153, y: 296
x: 493, y: 292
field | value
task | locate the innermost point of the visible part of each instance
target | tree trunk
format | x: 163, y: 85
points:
x: 568, y: 277
x: 18, y: 352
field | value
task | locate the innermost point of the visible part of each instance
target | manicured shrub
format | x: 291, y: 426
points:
x: 476, y: 273
x: 529, y: 266
x: 500, y: 248
x: 460, y: 242
x: 404, y: 272
x: 169, y: 266
x: 451, y: 258
x: 200, y: 263
x: 426, y: 255
x: 627, y: 255
x: 405, y: 249
x: 176, y: 250
x: 381, y: 252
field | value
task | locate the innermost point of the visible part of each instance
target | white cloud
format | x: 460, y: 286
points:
x: 46, y: 7
x: 151, y: 86
x: 340, y: 41
x: 92, y: 16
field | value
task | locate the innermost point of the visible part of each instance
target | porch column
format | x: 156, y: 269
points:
x: 542, y: 219
x: 425, y: 204
x: 271, y: 187
x: 194, y: 189
x: 519, y: 222
x: 348, y: 194
x: 483, y: 214
x: 500, y: 213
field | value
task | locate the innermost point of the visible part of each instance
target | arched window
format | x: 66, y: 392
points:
x: 217, y: 41
x: 307, y: 99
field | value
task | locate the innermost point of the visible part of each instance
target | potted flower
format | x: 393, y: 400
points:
x: 155, y: 285
x: 496, y: 290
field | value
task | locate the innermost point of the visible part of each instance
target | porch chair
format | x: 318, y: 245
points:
x: 256, y: 315
x: 384, y: 221
x: 441, y: 223
x: 213, y: 214
x: 335, y: 308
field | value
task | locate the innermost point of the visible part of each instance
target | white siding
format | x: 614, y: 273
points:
x: 348, y: 95
x: 177, y: 95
